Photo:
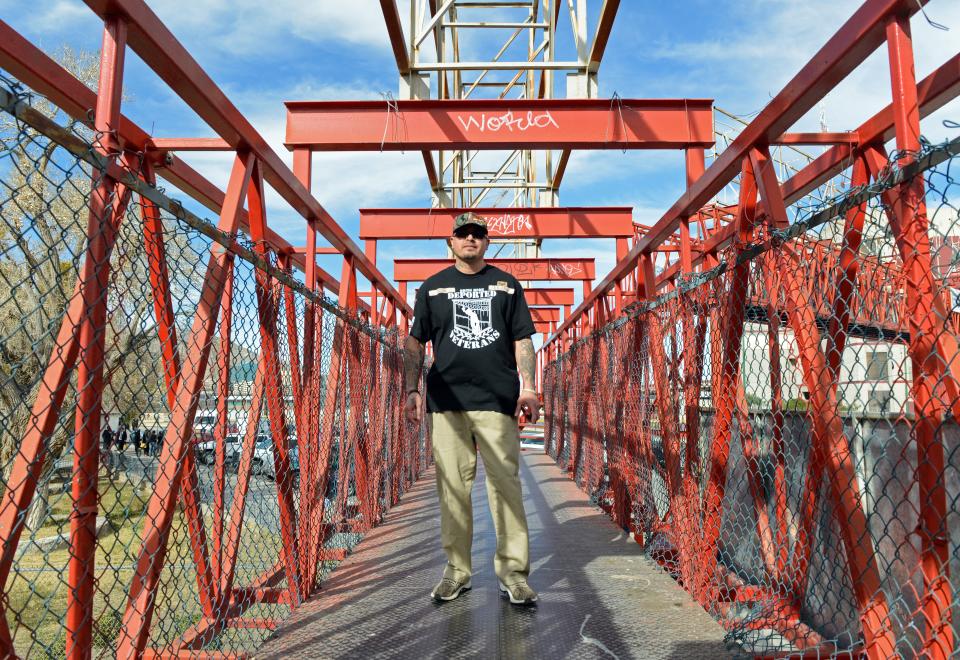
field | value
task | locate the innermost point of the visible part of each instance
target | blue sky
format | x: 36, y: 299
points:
x: 262, y: 53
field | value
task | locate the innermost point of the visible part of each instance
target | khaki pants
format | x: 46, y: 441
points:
x: 455, y: 455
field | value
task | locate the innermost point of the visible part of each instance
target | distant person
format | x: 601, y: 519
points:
x: 122, y: 438
x: 106, y: 437
x: 106, y: 443
x: 477, y: 318
x: 135, y: 440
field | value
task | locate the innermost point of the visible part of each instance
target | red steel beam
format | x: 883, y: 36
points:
x: 553, y: 222
x: 542, y: 326
x: 163, y: 53
x: 417, y: 270
x: 190, y: 144
x: 167, y: 335
x: 860, y: 36
x: 500, y: 124
x: 548, y: 296
x: 817, y: 138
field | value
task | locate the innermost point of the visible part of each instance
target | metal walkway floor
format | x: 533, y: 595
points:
x: 599, y: 597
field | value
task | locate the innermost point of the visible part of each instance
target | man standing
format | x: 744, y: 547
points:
x: 480, y: 326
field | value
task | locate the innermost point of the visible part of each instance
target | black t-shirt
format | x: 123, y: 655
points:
x: 472, y: 321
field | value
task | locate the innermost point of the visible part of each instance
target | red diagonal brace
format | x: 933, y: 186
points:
x: 727, y: 381
x: 831, y: 444
x: 220, y: 430
x: 153, y: 239
x: 240, y: 489
x: 267, y: 308
x: 161, y: 508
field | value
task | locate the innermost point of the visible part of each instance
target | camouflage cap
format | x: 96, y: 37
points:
x: 468, y: 218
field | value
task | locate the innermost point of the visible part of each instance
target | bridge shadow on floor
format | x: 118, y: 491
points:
x: 599, y: 597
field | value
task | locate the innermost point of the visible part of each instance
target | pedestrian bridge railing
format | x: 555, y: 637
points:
x: 780, y: 430
x: 269, y: 414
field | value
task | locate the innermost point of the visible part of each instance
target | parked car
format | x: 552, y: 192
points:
x: 206, y: 450
x: 263, y: 459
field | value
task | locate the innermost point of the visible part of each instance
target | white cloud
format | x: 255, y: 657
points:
x: 254, y: 26
x: 59, y: 14
x: 767, y: 42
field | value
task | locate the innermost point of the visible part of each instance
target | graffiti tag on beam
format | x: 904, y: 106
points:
x: 507, y: 224
x: 565, y: 269
x: 559, y: 268
x: 508, y: 120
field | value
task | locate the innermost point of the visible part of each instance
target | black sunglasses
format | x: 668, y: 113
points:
x: 478, y: 233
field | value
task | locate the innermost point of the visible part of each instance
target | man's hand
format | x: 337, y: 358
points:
x: 530, y: 404
x: 411, y: 408
x: 412, y: 367
x: 527, y: 366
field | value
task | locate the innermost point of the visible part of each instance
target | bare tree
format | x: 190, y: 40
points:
x: 44, y: 196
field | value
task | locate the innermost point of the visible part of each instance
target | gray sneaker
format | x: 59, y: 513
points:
x: 448, y: 589
x: 519, y: 593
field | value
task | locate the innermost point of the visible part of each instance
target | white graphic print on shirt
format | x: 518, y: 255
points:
x: 472, y: 325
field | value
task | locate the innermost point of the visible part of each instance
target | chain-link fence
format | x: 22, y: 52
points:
x: 779, y: 431
x: 190, y: 438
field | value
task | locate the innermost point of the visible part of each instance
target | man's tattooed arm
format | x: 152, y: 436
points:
x: 526, y: 363
x: 412, y: 363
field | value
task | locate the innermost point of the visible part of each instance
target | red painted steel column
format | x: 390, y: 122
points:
x: 664, y: 394
x: 107, y: 206
x: 361, y: 395
x: 622, y: 248
x: 832, y: 449
x: 402, y: 289
x: 162, y: 505
x: 926, y: 322
x: 293, y: 345
x: 370, y: 251
x: 377, y: 428
x: 694, y: 337
x: 303, y: 171
x: 848, y: 269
